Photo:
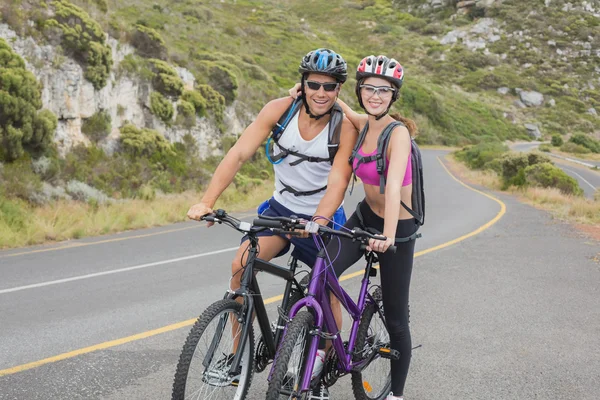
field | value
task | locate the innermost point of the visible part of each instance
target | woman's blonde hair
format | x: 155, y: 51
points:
x: 409, y: 123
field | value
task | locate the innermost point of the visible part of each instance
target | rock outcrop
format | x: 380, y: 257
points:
x: 125, y: 98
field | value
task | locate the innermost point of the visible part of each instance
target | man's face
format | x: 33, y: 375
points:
x: 321, y: 92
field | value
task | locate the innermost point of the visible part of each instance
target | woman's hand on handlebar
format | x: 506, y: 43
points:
x: 197, y: 211
x: 380, y: 246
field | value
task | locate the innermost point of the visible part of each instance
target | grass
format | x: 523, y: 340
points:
x: 65, y: 220
x: 564, y: 207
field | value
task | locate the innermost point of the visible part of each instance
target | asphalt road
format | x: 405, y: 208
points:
x: 505, y: 305
x: 589, y: 179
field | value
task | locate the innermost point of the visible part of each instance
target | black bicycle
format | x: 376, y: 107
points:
x: 219, y: 357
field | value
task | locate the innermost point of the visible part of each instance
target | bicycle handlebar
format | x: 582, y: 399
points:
x: 287, y: 225
x: 290, y: 226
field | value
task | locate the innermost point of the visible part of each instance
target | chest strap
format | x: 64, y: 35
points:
x: 301, y: 157
x: 288, y: 188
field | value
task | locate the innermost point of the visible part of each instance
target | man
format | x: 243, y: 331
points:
x: 309, y: 179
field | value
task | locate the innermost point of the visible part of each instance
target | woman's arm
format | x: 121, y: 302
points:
x: 358, y: 120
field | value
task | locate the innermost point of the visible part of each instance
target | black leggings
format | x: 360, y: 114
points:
x: 395, y: 271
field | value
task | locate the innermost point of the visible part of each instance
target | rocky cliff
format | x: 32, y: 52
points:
x: 72, y: 98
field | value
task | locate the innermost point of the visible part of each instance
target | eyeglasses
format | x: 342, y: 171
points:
x: 381, y: 91
x: 327, y: 86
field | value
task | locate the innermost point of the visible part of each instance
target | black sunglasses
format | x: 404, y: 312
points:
x: 328, y: 86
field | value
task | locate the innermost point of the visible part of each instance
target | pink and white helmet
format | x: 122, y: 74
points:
x: 381, y: 67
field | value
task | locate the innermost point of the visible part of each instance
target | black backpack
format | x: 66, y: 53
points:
x: 418, y: 193
x: 335, y: 128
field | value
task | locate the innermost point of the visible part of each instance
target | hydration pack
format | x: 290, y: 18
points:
x: 333, y: 142
x: 380, y: 157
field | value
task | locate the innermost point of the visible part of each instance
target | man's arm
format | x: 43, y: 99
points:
x: 340, y: 174
x: 244, y: 148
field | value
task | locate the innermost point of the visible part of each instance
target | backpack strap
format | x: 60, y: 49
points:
x: 354, y: 154
x: 285, y: 119
x: 335, y: 130
x: 333, y: 138
x: 382, y: 146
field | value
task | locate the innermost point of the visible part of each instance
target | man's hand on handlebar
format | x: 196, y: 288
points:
x: 197, y: 211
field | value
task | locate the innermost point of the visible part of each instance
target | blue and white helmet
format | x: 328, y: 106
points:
x: 326, y: 62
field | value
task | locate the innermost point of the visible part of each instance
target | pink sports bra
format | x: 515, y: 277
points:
x: 367, y: 171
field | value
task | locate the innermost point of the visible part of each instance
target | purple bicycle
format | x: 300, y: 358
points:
x: 365, y: 355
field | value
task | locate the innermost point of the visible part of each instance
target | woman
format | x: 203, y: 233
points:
x: 379, y: 80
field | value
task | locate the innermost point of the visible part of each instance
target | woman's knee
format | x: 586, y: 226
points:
x: 398, y: 330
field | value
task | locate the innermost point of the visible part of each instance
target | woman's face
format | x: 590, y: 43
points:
x: 376, y: 94
x: 321, y: 92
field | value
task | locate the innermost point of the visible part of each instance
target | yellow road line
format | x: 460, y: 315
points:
x: 168, y: 328
x: 83, y: 244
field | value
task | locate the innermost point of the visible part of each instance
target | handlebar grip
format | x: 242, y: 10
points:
x: 392, y: 249
x: 266, y: 223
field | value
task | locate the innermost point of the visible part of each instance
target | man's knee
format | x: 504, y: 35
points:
x: 236, y: 274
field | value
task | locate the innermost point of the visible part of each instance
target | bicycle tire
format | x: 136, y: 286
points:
x: 361, y: 384
x: 216, y: 310
x: 302, y: 322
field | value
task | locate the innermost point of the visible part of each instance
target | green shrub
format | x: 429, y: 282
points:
x: 161, y: 107
x: 186, y: 114
x: 19, y: 181
x: 570, y: 147
x: 12, y: 214
x: 547, y: 175
x: 535, y: 157
x: 586, y: 141
x: 84, y: 38
x: 545, y: 147
x: 22, y: 127
x: 557, y: 140
x: 197, y: 101
x: 149, y: 43
x: 220, y: 78
x: 97, y: 127
x: 165, y: 79
x: 514, y: 165
x: 144, y: 143
x: 215, y: 102
x: 480, y: 155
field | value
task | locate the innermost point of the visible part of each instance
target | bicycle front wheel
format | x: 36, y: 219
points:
x: 374, y: 382
x: 204, y: 367
x: 290, y: 359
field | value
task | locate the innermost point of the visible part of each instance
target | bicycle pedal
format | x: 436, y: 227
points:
x: 385, y: 352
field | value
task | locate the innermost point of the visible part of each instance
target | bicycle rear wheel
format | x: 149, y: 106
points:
x: 374, y: 381
x: 204, y: 364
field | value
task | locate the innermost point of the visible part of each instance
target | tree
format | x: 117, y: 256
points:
x: 22, y: 127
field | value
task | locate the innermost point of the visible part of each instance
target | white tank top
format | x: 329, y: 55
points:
x: 306, y: 176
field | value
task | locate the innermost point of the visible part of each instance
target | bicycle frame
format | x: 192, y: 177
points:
x: 317, y: 300
x: 250, y: 289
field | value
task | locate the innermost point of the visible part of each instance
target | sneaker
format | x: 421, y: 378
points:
x: 317, y: 366
x: 319, y: 393
x: 392, y: 397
